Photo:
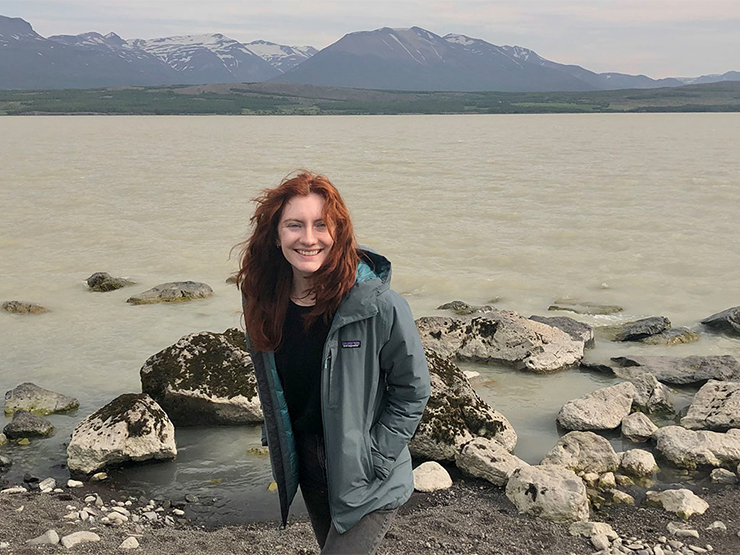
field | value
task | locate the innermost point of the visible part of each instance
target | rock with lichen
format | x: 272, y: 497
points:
x: 37, y: 400
x: 205, y: 378
x: 27, y: 425
x: 131, y: 428
x: 455, y: 414
x: 23, y: 307
x: 102, y: 282
x: 173, y: 292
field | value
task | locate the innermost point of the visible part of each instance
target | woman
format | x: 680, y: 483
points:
x: 340, y: 369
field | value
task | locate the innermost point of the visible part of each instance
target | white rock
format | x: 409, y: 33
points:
x: 84, y: 515
x: 74, y: 484
x: 121, y: 510
x: 622, y: 497
x: 716, y: 406
x: 430, y: 476
x: 74, y: 515
x: 77, y: 538
x: 599, y: 541
x: 58, y: 490
x: 683, y: 502
x: 717, y: 525
x: 723, y: 476
x: 549, y: 491
x: 603, y: 409
x: 584, y: 451
x: 90, y: 499
x: 98, y: 477
x: 470, y: 374
x: 637, y: 427
x: 47, y: 485
x: 4, y: 545
x: 638, y: 462
x: 129, y: 543
x: 690, y: 449
x: 487, y: 459
x: 50, y: 537
x: 589, y: 529
x: 14, y: 489
x: 607, y: 480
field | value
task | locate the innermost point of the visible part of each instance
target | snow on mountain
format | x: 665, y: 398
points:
x: 280, y: 56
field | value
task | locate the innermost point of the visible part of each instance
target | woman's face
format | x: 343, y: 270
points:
x: 303, y: 234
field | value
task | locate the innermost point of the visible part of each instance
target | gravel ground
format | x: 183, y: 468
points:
x: 473, y: 517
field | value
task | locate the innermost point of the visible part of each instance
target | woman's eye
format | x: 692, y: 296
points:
x: 294, y: 225
x: 321, y: 225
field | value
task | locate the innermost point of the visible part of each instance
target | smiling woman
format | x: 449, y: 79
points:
x: 340, y: 369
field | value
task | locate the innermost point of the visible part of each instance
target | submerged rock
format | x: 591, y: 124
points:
x: 173, y: 292
x: 103, y: 282
x: 462, y: 308
x: 132, y: 427
x: 678, y: 370
x: 25, y: 425
x: 640, y: 329
x: 716, y: 406
x: 727, y: 321
x: 22, y: 307
x: 672, y: 336
x: 578, y: 331
x: 691, y: 449
x: 455, y: 414
x: 37, y: 400
x: 602, y: 409
x: 204, y: 378
x: 504, y: 337
x: 578, y: 307
x: 550, y: 492
x: 583, y: 452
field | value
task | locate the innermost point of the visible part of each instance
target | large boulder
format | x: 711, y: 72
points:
x: 455, y: 415
x: 23, y: 307
x: 727, y: 321
x: 682, y: 502
x: 37, y: 400
x: 204, y: 378
x: 25, y: 424
x: 603, y: 409
x: 173, y: 292
x: 716, y: 406
x: 678, y: 370
x: 691, y: 449
x: 578, y: 331
x: 551, y: 492
x: 132, y: 427
x: 651, y: 395
x: 102, y: 282
x: 640, y: 329
x: 583, y: 452
x: 487, y: 459
x: 501, y: 336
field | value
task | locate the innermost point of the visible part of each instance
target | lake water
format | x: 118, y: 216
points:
x: 636, y: 210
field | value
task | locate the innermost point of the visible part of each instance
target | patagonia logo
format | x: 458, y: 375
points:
x: 351, y: 344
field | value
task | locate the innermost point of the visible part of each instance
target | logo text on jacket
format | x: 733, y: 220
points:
x: 351, y: 344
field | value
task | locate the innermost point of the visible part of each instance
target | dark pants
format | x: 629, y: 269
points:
x: 365, y: 536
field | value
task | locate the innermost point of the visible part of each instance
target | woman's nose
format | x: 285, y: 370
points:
x: 308, y: 236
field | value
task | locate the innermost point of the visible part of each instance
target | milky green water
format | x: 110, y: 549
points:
x: 636, y: 210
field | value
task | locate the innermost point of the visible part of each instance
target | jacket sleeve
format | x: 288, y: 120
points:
x: 407, y: 383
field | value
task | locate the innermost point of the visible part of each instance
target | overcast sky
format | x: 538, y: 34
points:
x: 659, y: 38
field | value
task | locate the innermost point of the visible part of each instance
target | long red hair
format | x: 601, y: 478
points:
x: 265, y: 277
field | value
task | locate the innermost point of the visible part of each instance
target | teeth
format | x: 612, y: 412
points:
x: 307, y: 253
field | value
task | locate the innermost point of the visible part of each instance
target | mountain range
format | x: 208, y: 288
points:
x: 395, y: 59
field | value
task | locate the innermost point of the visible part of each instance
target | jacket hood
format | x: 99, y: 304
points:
x: 373, y: 277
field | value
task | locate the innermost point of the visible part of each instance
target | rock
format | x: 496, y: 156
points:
x: 431, y: 476
x: 3, y: 439
x: 130, y: 428
x: 74, y: 484
x: 723, y: 476
x: 639, y: 463
x: 129, y: 543
x: 22, y: 307
x: 727, y: 321
x: 190, y: 498
x: 583, y: 452
x: 640, y: 329
x: 603, y: 409
x: 99, y: 477
x: 571, y: 305
x: 5, y: 463
x: 637, y: 427
x: 231, y: 280
x: 204, y: 378
x: 501, y: 336
x: 463, y: 308
x: 470, y: 374
x: 624, y: 481
x: 691, y: 449
x: 47, y: 485
x: 622, y: 497
x: 37, y: 400
x: 717, y: 525
x: 599, y: 541
x: 25, y: 425
x: 607, y: 481
x: 590, y: 529
x: 551, y: 492
x: 716, y: 406
x: 487, y: 459
x: 682, y: 502
x: 455, y: 414
x: 50, y: 537
x: 651, y: 396
x: 173, y: 292
x: 672, y: 336
x: 261, y: 451
x: 678, y: 370
x: 578, y: 331
x: 77, y: 538
x: 102, y: 282
x: 14, y: 489
x: 681, y: 530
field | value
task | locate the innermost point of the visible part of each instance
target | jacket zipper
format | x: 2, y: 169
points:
x: 327, y: 370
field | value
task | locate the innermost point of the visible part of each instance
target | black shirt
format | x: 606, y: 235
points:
x: 299, y: 363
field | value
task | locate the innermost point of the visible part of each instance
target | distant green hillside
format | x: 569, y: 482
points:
x: 279, y: 99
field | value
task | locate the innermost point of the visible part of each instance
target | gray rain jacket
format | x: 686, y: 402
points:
x: 374, y: 387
